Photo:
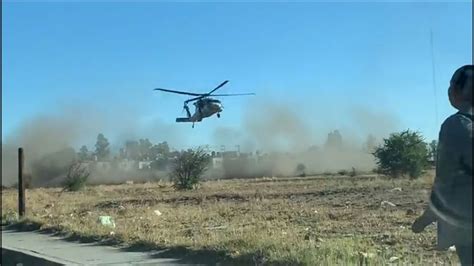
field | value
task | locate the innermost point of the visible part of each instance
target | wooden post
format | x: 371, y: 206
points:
x: 21, y: 184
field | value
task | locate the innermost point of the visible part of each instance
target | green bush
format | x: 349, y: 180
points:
x: 188, y: 168
x: 76, y: 178
x: 342, y: 172
x: 301, y: 170
x: 401, y: 154
x: 353, y: 172
x: 9, y: 217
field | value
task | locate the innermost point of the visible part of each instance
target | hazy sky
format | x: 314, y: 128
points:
x: 323, y: 59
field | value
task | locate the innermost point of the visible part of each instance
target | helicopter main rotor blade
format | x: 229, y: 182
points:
x: 180, y: 92
x: 194, y: 99
x: 232, y: 94
x: 222, y: 84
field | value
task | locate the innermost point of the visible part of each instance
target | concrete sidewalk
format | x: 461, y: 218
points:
x: 33, y: 248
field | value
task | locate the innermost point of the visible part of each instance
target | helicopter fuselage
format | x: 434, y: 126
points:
x: 203, y: 108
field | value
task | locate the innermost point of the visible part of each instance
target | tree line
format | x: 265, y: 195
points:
x: 138, y: 150
x: 145, y: 150
x: 401, y: 154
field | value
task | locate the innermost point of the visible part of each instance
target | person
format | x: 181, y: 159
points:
x: 450, y: 203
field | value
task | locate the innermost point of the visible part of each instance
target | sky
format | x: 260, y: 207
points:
x: 323, y: 59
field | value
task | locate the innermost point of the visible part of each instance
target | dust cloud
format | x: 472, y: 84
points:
x: 47, y: 141
x: 287, y: 137
x: 51, y: 142
x: 280, y: 133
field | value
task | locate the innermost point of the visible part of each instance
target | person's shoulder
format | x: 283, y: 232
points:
x: 458, y: 123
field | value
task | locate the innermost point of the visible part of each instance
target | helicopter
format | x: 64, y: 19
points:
x: 204, y: 105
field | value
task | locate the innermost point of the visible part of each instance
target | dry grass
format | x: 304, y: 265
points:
x: 301, y: 221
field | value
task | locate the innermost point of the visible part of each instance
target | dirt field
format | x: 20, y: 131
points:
x: 311, y: 221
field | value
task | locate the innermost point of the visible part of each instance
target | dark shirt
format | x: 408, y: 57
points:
x: 451, y: 198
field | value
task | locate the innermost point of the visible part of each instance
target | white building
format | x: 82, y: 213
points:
x: 144, y: 165
x: 127, y: 165
x: 216, y: 163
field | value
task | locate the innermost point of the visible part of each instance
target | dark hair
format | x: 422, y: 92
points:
x: 461, y: 78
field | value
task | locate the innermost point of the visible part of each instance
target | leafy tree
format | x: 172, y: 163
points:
x: 159, y: 164
x: 313, y: 148
x: 83, y: 153
x: 122, y: 155
x: 144, y: 146
x: 132, y: 150
x: 334, y: 140
x: 433, y: 153
x: 160, y: 151
x: 76, y: 177
x: 300, y: 170
x: 370, y: 144
x: 402, y: 153
x: 189, y: 168
x: 164, y: 149
x: 154, y: 153
x: 102, y: 147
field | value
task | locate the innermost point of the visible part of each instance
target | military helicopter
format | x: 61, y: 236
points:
x: 204, y: 106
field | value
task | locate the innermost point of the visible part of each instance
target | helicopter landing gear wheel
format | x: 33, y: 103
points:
x: 218, y: 115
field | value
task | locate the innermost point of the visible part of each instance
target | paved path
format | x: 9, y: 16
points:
x: 33, y: 248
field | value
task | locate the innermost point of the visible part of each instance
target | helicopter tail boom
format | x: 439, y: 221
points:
x: 183, y: 119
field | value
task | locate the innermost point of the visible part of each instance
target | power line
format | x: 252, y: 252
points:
x: 434, y: 77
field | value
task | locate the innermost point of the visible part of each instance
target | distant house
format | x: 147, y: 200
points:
x: 127, y: 165
x: 144, y: 165
x: 230, y: 154
x: 217, y: 163
x: 87, y: 164
x: 103, y: 166
x: 174, y: 154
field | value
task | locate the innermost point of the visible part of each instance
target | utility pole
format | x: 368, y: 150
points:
x: 21, y: 183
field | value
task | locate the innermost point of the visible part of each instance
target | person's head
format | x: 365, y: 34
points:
x: 460, y: 89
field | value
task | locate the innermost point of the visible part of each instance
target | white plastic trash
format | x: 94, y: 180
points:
x: 393, y: 259
x: 384, y: 203
x: 107, y: 221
